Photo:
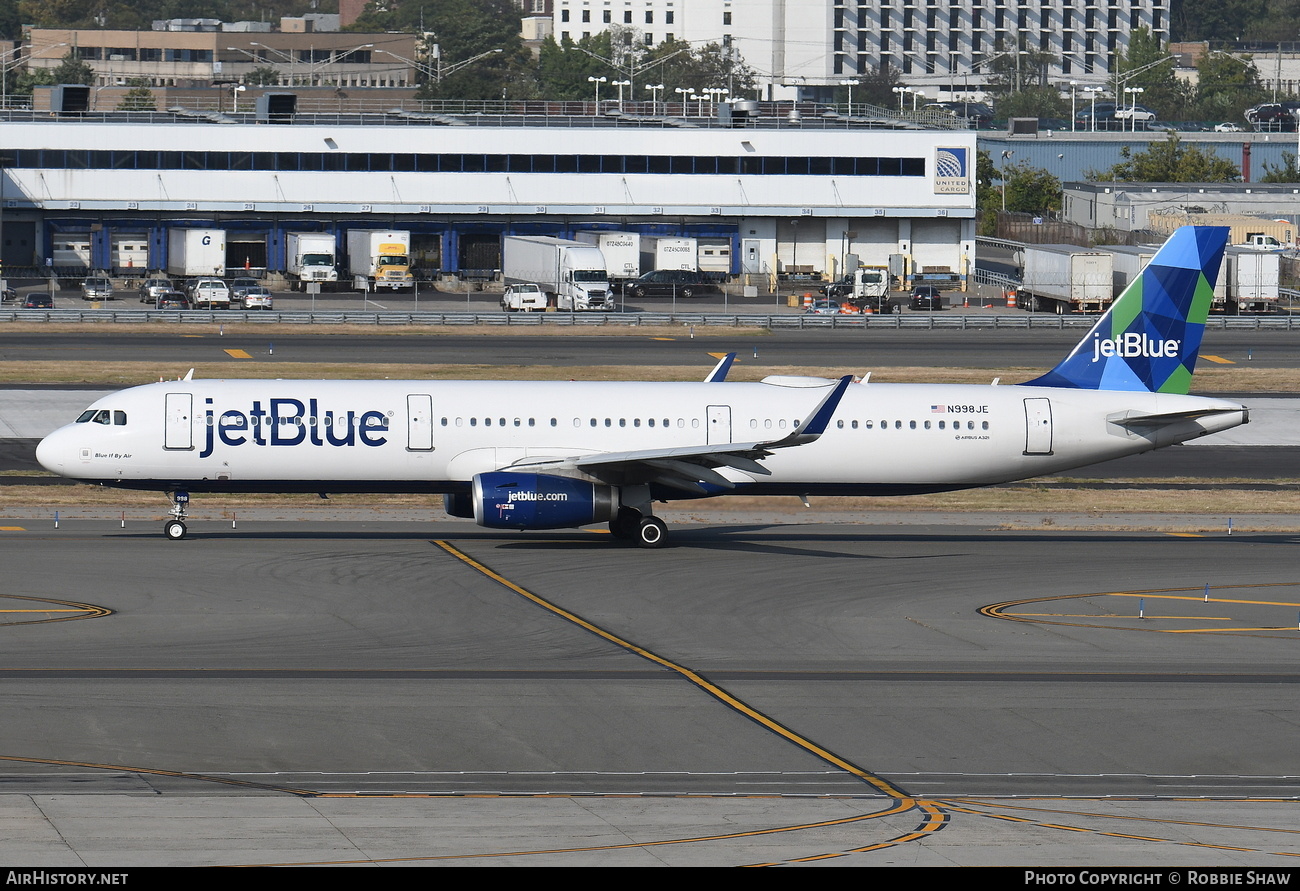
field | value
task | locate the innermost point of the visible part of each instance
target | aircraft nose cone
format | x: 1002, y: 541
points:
x: 50, y: 455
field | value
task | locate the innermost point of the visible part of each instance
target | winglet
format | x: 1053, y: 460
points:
x: 719, y: 372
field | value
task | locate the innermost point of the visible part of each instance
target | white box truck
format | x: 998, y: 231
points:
x: 380, y: 258
x: 622, y: 251
x: 571, y: 273
x: 1253, y: 278
x: 665, y: 252
x: 1063, y: 278
x: 311, y: 258
x: 195, y: 252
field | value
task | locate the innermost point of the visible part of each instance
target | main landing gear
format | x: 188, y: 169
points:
x: 174, y: 528
x: 631, y: 525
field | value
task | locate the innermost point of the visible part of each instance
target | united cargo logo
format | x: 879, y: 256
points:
x: 952, y: 170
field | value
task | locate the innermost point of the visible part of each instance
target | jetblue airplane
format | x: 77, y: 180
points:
x: 564, y: 454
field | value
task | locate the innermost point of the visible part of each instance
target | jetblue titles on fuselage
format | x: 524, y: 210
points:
x: 291, y: 422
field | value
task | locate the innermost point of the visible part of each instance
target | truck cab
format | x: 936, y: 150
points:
x: 1258, y: 241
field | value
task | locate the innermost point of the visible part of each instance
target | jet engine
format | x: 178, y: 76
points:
x: 506, y: 500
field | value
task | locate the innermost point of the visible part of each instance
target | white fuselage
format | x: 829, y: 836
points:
x: 434, y: 436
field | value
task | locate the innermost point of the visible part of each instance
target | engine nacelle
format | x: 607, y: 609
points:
x: 506, y: 500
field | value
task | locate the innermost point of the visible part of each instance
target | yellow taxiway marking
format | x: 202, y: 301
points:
x: 237, y: 354
x: 878, y: 783
x: 194, y: 335
x: 1218, y: 359
x: 12, y: 529
x: 663, y: 338
x: 1201, y: 599
x: 1124, y: 616
x: 1234, y: 630
x: 720, y: 356
x: 1185, y: 534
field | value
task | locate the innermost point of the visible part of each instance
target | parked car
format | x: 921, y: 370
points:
x: 926, y: 297
x: 823, y: 308
x: 38, y: 301
x: 9, y: 295
x: 210, y: 293
x: 238, y: 286
x: 682, y: 283
x: 97, y: 288
x: 524, y: 297
x: 171, y: 300
x: 1102, y: 113
x: 1228, y: 127
x: 1134, y: 113
x: 256, y: 297
x: 1271, y: 116
x: 152, y: 287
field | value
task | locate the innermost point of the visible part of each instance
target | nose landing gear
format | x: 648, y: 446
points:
x: 174, y: 528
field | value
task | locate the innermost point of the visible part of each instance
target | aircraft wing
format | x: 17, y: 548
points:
x: 691, y: 467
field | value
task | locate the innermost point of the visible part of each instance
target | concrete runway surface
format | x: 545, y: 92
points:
x: 432, y: 693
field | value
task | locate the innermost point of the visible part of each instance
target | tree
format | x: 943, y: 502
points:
x: 263, y: 76
x: 461, y: 30
x: 1287, y: 173
x: 1032, y: 190
x: 72, y: 70
x: 1169, y: 162
x: 1150, y: 68
x: 1226, y: 86
x: 138, y: 98
x: 1034, y: 102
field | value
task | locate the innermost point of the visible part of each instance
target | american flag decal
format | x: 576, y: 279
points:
x: 938, y: 409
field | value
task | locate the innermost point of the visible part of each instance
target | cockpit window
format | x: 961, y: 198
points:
x: 119, y: 418
x: 86, y: 416
x: 99, y: 416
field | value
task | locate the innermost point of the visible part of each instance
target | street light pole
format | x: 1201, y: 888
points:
x: 597, y: 81
x: 655, y: 90
x: 850, y: 83
x: 1005, y: 154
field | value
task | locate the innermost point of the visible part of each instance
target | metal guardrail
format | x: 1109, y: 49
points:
x: 909, y: 320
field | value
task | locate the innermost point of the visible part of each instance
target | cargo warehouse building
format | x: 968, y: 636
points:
x: 770, y: 197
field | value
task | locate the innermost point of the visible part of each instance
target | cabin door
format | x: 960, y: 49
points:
x: 719, y: 422
x: 1038, y: 426
x: 179, y: 430
x: 419, y: 423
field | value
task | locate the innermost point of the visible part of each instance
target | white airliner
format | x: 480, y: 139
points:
x: 550, y: 455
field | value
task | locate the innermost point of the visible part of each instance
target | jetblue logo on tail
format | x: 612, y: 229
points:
x: 1131, y: 345
x: 1149, y: 338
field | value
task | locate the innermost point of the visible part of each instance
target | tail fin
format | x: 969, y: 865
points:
x: 1149, y: 338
